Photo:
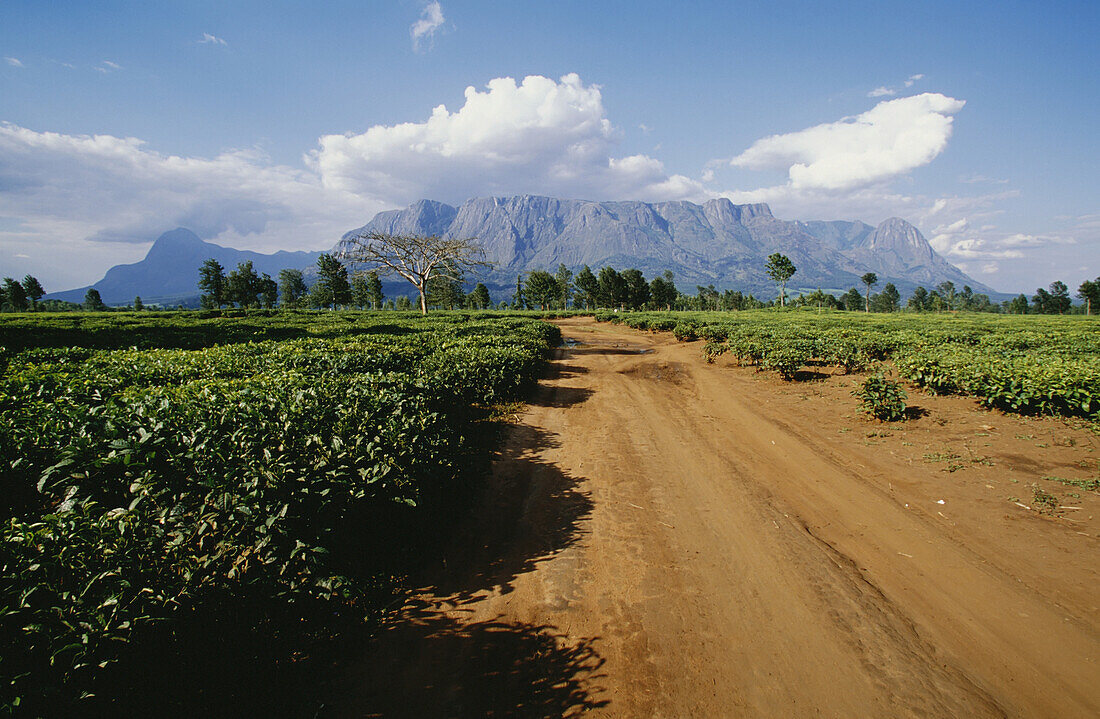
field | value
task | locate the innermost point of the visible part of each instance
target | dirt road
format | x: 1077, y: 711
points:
x: 669, y: 538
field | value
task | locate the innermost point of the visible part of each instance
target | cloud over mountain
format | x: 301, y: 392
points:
x: 538, y: 136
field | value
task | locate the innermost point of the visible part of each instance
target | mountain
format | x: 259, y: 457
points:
x: 169, y: 274
x: 717, y: 243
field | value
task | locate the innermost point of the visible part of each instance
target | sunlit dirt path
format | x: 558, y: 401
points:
x: 668, y: 538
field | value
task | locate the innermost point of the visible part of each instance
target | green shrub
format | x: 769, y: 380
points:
x: 882, y: 398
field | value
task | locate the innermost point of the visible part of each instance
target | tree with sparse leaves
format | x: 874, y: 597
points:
x: 780, y: 269
x: 415, y: 258
x: 869, y: 280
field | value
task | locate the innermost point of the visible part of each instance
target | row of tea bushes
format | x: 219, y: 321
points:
x: 142, y: 485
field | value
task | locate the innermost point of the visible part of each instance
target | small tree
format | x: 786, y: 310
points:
x: 519, y: 301
x: 852, y: 300
x: 34, y: 291
x: 138, y: 304
x: 244, y: 285
x: 374, y: 290
x: 212, y: 281
x: 415, y: 258
x: 1059, y: 298
x: 662, y: 291
x: 588, y: 286
x: 637, y: 289
x: 333, y: 287
x: 92, y: 301
x: 14, y: 295
x: 359, y: 292
x: 1018, y: 305
x: 269, y: 291
x: 870, y: 280
x: 918, y: 302
x: 946, y: 290
x: 292, y: 287
x: 612, y: 288
x: 541, y: 288
x: 780, y: 269
x: 445, y: 291
x: 564, y: 276
x: 887, y: 300
x: 479, y: 298
x: 1089, y: 291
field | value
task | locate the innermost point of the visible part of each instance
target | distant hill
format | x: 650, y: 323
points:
x: 717, y: 243
x: 169, y: 274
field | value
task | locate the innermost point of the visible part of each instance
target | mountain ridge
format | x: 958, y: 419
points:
x: 716, y: 242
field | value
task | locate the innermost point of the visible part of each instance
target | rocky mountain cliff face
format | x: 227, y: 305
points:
x: 717, y: 243
x: 170, y: 271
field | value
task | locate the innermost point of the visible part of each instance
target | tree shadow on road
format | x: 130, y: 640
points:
x: 428, y: 664
x: 562, y: 397
x: 530, y: 511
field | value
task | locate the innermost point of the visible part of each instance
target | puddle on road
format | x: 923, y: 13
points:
x: 618, y: 347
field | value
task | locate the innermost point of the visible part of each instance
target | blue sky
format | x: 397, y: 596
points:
x: 280, y: 125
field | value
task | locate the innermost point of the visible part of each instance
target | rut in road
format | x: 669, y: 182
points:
x: 659, y: 540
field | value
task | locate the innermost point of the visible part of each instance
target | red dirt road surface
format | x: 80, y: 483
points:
x: 668, y: 538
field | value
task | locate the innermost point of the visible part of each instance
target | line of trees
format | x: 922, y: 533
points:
x: 609, y: 289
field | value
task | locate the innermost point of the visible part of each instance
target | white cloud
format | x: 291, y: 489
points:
x: 208, y: 39
x: 882, y: 92
x: 100, y: 199
x: 431, y: 19
x: 959, y: 240
x: 890, y: 139
x: 538, y: 137
x: 107, y: 66
x: 990, y: 268
x: 914, y: 78
x: 13, y: 61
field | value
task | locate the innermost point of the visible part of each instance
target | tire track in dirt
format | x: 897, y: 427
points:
x: 660, y: 540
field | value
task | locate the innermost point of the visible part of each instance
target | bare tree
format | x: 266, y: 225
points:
x: 416, y: 258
